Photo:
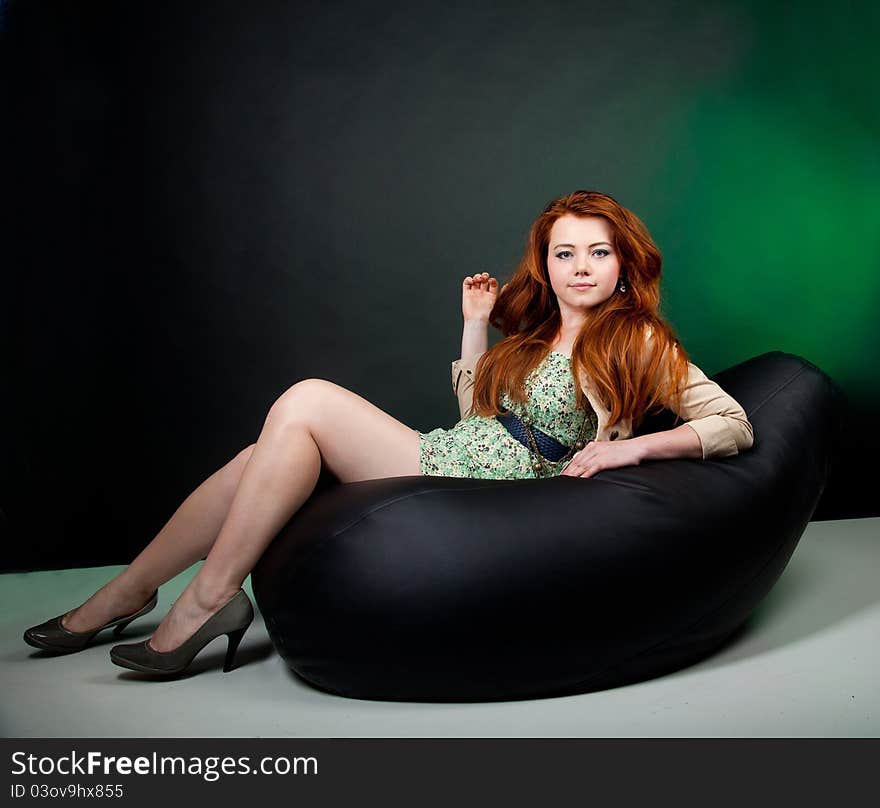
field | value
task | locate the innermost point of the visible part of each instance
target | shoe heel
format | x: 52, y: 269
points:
x: 232, y: 647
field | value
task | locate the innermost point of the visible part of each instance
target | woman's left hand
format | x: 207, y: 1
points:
x: 601, y: 455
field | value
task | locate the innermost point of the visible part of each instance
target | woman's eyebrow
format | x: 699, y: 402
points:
x: 590, y: 247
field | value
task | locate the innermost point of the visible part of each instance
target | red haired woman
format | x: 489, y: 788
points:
x: 585, y: 356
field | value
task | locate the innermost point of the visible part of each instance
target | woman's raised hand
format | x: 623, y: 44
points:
x: 478, y: 295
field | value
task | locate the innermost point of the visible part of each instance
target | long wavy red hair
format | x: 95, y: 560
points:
x: 632, y: 375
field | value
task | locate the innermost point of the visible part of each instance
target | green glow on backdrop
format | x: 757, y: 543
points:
x: 772, y: 203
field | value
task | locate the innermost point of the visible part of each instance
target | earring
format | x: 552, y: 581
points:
x: 622, y: 286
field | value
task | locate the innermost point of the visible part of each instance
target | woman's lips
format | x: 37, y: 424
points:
x: 582, y: 285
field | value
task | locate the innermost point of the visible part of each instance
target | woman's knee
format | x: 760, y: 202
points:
x: 298, y: 403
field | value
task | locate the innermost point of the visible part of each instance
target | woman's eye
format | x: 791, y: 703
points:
x: 568, y: 253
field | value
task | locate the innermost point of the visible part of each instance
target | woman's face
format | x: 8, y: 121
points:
x: 583, y: 265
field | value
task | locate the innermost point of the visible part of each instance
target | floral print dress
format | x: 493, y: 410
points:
x: 481, y: 448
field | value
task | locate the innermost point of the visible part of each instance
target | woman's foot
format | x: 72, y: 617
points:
x: 232, y: 619
x: 112, y: 600
x: 189, y: 612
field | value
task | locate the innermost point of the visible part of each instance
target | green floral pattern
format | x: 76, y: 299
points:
x: 481, y: 448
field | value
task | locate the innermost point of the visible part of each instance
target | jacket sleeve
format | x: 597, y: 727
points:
x: 717, y: 418
x: 463, y: 382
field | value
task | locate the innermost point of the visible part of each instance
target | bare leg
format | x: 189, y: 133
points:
x: 186, y: 537
x: 315, y: 421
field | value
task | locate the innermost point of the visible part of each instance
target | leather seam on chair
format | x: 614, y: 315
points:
x: 322, y: 544
x: 387, y: 503
x: 511, y: 483
x: 777, y: 390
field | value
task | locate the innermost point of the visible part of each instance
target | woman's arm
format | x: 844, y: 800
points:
x: 474, y: 338
x: 717, y: 417
x: 716, y: 426
x: 719, y: 421
x: 478, y: 295
x: 474, y: 342
x: 683, y: 441
x: 718, y: 434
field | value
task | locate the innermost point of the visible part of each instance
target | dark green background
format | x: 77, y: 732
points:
x: 212, y: 201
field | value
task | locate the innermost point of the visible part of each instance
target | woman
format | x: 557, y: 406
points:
x: 583, y: 305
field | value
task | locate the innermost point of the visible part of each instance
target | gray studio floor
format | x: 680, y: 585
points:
x: 806, y: 666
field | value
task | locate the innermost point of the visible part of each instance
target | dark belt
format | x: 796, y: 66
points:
x: 548, y: 446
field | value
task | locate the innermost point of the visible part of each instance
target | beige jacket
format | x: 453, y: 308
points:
x: 716, y: 417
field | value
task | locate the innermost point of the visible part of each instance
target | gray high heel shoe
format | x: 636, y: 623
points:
x: 231, y: 619
x: 53, y: 636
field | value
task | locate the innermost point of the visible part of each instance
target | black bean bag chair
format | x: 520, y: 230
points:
x: 444, y: 589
